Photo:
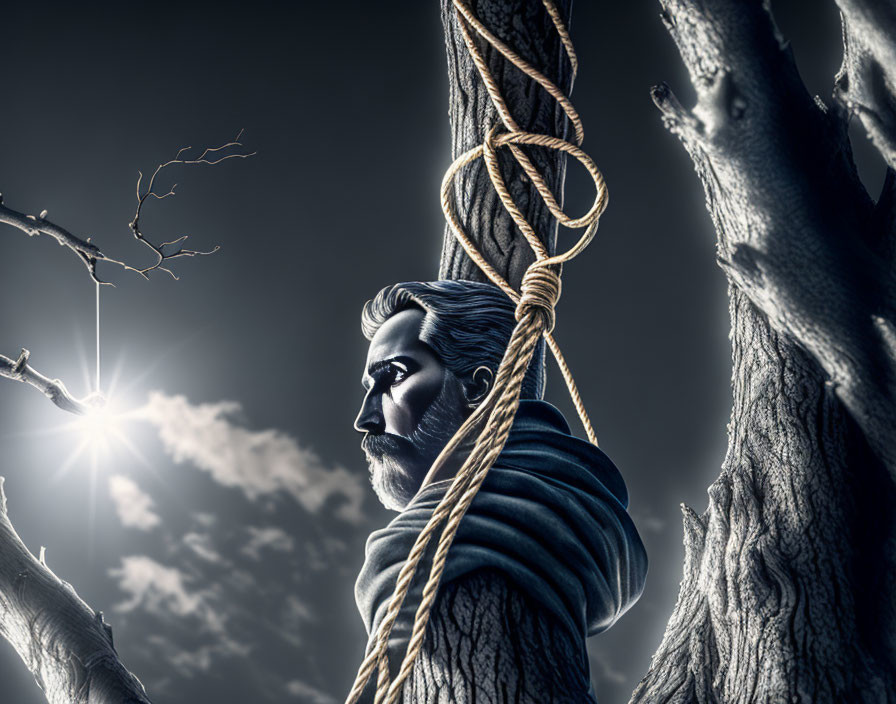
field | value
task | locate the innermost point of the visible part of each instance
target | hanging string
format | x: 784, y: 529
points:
x: 97, y: 337
x: 535, y: 301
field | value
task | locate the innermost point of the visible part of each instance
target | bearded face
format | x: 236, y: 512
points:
x: 397, y: 464
x: 412, y: 408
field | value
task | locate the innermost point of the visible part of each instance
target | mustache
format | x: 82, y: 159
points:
x: 379, y: 446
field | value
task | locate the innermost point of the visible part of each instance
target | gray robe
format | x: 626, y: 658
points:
x: 550, y: 516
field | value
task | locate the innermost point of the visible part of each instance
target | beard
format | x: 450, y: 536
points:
x: 398, y: 465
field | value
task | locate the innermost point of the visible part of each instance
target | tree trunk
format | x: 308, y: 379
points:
x: 487, y: 642
x: 789, y: 589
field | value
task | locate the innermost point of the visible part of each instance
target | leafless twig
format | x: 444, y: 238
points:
x: 211, y: 156
x: 90, y: 254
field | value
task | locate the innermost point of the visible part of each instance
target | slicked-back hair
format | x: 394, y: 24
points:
x: 467, y: 324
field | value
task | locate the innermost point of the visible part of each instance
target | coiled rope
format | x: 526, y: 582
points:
x: 535, y: 302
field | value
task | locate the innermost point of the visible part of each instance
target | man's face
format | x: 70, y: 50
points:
x: 412, y: 408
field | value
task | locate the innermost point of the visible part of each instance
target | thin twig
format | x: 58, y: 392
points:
x: 150, y: 192
x: 90, y: 254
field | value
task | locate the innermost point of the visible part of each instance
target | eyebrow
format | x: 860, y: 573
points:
x: 382, y: 364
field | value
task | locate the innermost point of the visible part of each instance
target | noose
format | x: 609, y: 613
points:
x: 535, y: 302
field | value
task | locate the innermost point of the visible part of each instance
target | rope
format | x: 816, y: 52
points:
x: 535, y: 302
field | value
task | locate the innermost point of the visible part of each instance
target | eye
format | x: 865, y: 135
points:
x: 396, y: 373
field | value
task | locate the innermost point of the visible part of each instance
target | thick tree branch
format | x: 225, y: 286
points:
x: 54, y: 389
x: 793, y: 219
x: 36, y: 225
x: 65, y: 644
x: 866, y: 83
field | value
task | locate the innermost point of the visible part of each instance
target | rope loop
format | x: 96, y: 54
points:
x: 539, y: 293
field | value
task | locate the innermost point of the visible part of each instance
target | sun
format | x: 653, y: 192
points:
x: 99, y: 425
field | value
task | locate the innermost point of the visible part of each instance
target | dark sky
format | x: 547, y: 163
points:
x: 222, y: 539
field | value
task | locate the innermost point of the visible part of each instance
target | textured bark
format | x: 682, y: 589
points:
x: 65, y: 644
x: 488, y: 643
x: 788, y: 591
x: 867, y: 79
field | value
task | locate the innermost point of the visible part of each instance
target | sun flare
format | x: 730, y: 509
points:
x: 98, y: 425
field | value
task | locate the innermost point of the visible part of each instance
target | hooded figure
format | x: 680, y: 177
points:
x: 550, y: 516
x: 545, y: 556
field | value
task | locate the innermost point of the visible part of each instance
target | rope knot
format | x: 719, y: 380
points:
x: 539, y: 293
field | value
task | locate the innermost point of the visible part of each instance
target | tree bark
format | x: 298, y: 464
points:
x: 65, y: 644
x: 788, y: 591
x: 489, y: 643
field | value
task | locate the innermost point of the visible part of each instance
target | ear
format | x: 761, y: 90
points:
x: 479, y: 385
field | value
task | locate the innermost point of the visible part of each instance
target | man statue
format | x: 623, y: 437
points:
x: 546, y: 555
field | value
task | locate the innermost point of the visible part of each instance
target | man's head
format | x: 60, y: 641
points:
x: 434, y: 350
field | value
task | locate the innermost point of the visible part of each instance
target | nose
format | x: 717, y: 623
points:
x: 370, y: 418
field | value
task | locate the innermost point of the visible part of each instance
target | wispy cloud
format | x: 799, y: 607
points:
x: 259, y: 462
x: 134, y: 507
x: 270, y: 538
x: 307, y: 693
x: 161, y: 590
x: 190, y: 662
x: 166, y: 593
x: 201, y: 544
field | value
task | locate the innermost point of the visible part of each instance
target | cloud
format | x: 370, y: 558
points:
x: 190, y: 662
x: 270, y: 537
x: 134, y: 507
x: 163, y: 590
x: 206, y: 520
x: 307, y: 693
x: 201, y: 544
x: 647, y: 521
x: 259, y: 463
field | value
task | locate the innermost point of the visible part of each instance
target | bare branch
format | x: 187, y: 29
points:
x: 54, y: 389
x: 90, y: 254
x: 33, y: 225
x: 142, y: 196
x: 865, y: 83
x: 66, y: 645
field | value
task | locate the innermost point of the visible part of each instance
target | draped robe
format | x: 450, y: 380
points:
x: 550, y: 517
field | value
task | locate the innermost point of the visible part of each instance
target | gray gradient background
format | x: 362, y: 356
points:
x: 345, y: 104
